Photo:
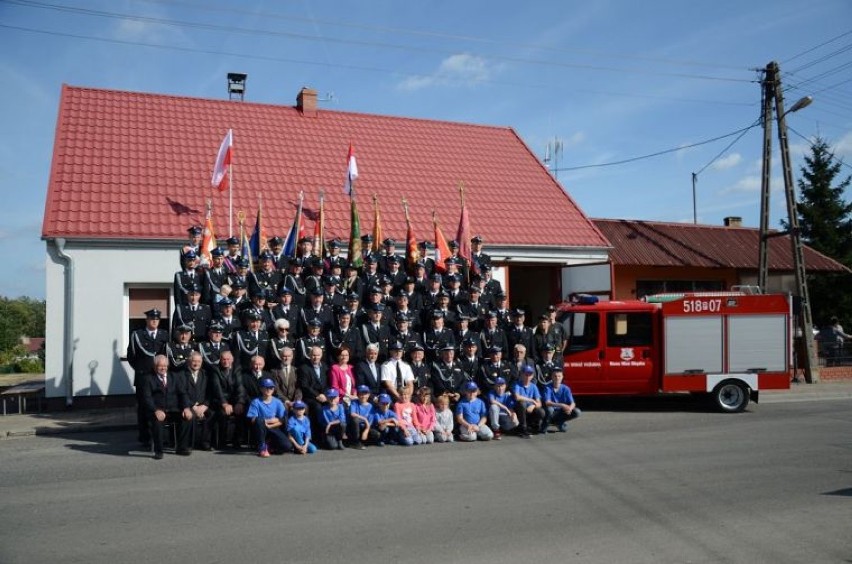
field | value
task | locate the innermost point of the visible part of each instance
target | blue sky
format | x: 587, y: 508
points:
x: 611, y: 80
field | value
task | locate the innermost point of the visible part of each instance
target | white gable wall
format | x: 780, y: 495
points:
x: 102, y: 276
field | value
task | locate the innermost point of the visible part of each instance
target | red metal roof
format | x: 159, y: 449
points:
x: 649, y: 243
x: 130, y: 165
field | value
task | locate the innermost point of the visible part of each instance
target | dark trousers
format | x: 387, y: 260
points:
x: 528, y: 421
x: 201, y: 430
x: 334, y: 438
x: 183, y: 430
x: 266, y: 436
x: 143, y: 417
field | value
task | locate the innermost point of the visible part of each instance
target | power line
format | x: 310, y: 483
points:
x: 811, y: 143
x: 304, y: 37
x: 803, y: 53
x: 659, y: 153
x: 725, y: 150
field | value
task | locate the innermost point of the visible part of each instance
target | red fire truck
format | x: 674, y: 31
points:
x: 729, y: 345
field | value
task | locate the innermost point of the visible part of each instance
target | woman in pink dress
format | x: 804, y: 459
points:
x: 342, y: 379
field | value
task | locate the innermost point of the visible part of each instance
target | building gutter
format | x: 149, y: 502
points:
x: 67, y: 336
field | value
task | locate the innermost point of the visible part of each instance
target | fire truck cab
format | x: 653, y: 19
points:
x: 726, y: 344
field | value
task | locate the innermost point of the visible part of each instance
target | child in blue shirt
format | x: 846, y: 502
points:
x: 501, y: 409
x: 299, y: 430
x: 471, y: 416
x: 267, y: 414
x: 361, y: 419
x: 333, y: 420
x: 528, y: 403
x: 384, y: 420
x: 559, y: 405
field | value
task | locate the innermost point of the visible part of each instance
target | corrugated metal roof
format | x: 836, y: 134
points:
x: 138, y: 166
x: 650, y: 243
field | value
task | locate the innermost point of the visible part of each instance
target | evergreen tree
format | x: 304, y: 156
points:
x: 825, y: 221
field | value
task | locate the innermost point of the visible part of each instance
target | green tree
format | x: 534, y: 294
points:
x: 19, y: 317
x: 825, y: 220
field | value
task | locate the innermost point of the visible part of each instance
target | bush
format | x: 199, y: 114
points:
x: 30, y: 366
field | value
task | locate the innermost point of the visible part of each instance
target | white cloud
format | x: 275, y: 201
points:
x: 575, y: 140
x: 730, y: 161
x: 460, y: 68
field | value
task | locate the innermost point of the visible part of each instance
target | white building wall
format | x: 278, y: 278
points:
x: 100, y: 315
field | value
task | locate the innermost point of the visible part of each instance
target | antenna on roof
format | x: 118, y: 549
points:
x: 236, y: 85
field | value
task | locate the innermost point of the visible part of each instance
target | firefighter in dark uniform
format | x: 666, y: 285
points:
x: 387, y: 255
x: 293, y: 282
x: 313, y: 277
x: 419, y: 367
x: 317, y: 309
x: 345, y: 334
x: 492, y: 368
x: 504, y: 314
x: 463, y: 265
x: 211, y: 350
x: 351, y: 281
x: 276, y: 248
x: 286, y: 309
x: 215, y: 277
x: 374, y: 332
x: 469, y: 359
x: 249, y: 342
x: 194, y: 233
x: 428, y: 262
x: 233, y: 254
x: 473, y: 308
x: 477, y: 257
x: 421, y: 278
x: 492, y: 335
x: 313, y: 338
x: 518, y: 333
x: 403, y: 333
x: 430, y: 296
x: 396, y: 274
x: 189, y: 276
x: 447, y: 375
x: 437, y: 337
x: 195, y: 314
x: 180, y: 348
x: 332, y: 297
x: 370, y: 276
x: 145, y: 344
x: 257, y: 305
x: 227, y: 318
x: 268, y: 277
x: 334, y: 259
x: 240, y: 276
x: 547, y: 365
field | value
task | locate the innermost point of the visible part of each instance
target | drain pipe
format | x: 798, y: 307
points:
x: 68, y: 339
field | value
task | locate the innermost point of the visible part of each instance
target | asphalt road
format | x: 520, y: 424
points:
x: 630, y: 482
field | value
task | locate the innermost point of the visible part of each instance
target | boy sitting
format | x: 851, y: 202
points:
x: 266, y: 414
x: 559, y: 405
x: 471, y: 416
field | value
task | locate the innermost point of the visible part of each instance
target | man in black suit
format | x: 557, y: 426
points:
x: 167, y: 402
x: 229, y: 400
x: 368, y: 372
x: 312, y: 379
x: 195, y: 314
x: 198, y: 384
x: 145, y: 345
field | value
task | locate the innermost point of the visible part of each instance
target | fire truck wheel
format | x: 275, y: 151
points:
x: 731, y: 396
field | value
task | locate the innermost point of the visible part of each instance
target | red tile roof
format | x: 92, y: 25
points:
x: 649, y: 243
x: 130, y: 165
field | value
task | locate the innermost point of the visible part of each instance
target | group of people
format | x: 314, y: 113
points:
x: 293, y: 354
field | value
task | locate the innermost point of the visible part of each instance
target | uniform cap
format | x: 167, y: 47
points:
x: 284, y: 290
x: 367, y: 238
x: 299, y: 404
x: 471, y: 387
x: 243, y: 262
x: 454, y: 244
x: 252, y: 315
x: 153, y: 314
x: 494, y: 349
x: 332, y: 393
x: 193, y: 289
x: 499, y: 380
x: 195, y: 230
x: 384, y: 398
x: 226, y: 302
x: 476, y: 239
x: 362, y: 389
x: 216, y: 327
x: 232, y: 241
x: 190, y: 255
x: 267, y: 383
x: 184, y: 329
x: 395, y: 346
x: 217, y: 252
x: 517, y: 312
x: 315, y: 323
x: 316, y: 291
x: 376, y: 307
x: 238, y: 285
x: 352, y: 297
x: 528, y: 369
x: 275, y: 241
x: 389, y: 242
x: 306, y: 240
x: 335, y: 244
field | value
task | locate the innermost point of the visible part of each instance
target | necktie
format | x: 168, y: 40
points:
x: 399, y: 382
x: 163, y: 381
x: 153, y: 335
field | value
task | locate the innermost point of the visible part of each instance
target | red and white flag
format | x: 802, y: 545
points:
x: 223, y: 161
x: 351, y: 172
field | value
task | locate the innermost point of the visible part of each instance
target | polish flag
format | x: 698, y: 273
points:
x: 223, y: 161
x: 351, y: 172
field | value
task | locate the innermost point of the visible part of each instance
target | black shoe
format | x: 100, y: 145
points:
x: 206, y: 447
x: 339, y: 446
x: 158, y: 456
x: 184, y: 452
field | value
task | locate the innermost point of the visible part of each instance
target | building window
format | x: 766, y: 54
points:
x: 141, y: 300
x: 650, y: 287
x: 629, y: 329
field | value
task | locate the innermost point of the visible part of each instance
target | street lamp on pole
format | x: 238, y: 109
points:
x: 772, y: 91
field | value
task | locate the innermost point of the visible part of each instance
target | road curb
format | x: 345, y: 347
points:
x: 70, y: 430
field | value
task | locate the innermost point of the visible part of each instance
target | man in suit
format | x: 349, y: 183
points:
x: 166, y: 402
x: 312, y: 380
x: 368, y: 372
x: 145, y: 345
x: 229, y: 400
x: 198, y: 386
x: 286, y: 379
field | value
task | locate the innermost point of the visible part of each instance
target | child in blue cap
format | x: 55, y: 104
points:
x: 385, y: 422
x: 267, y: 414
x: 471, y: 416
x: 299, y: 430
x: 333, y: 420
x: 361, y: 419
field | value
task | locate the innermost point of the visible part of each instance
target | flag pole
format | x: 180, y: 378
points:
x: 230, y: 199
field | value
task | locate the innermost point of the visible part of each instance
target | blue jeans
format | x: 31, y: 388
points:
x: 300, y: 438
x: 266, y: 435
x: 556, y: 416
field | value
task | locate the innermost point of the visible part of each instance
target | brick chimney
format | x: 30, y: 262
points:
x: 306, y: 101
x: 733, y: 221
